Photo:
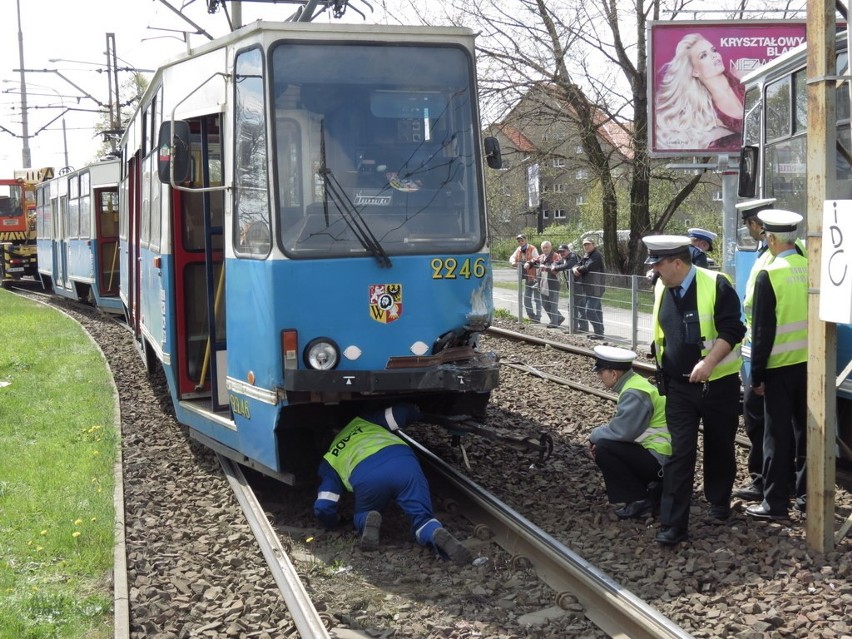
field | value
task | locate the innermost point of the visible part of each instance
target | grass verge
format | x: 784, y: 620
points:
x: 57, y: 450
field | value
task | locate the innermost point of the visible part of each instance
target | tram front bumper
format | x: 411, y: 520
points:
x: 477, y: 375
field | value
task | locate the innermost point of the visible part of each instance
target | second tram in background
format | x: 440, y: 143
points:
x: 303, y: 233
x: 774, y: 165
x: 77, y: 234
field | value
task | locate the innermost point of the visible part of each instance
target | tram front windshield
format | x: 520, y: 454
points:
x: 375, y: 144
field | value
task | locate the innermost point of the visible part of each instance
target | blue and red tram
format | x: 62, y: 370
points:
x: 303, y: 233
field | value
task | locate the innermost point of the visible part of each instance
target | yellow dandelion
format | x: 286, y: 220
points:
x: 94, y: 519
x: 30, y: 542
x: 96, y: 453
x: 76, y: 533
x: 43, y: 532
x: 77, y: 522
x: 39, y: 548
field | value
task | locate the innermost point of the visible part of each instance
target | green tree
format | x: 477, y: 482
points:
x: 130, y: 92
x: 592, y: 54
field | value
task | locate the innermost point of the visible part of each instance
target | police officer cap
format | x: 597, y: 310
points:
x: 702, y: 234
x: 750, y: 208
x: 663, y: 246
x: 779, y: 221
x: 564, y: 247
x: 619, y: 359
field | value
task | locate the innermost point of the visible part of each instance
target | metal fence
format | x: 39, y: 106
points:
x: 626, y: 305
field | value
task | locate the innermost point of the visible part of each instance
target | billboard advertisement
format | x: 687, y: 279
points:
x: 695, y: 97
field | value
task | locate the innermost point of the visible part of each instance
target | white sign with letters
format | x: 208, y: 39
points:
x: 835, y: 300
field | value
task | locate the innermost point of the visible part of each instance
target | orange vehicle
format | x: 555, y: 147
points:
x: 17, y: 224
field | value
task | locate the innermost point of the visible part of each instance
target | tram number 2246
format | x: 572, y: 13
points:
x: 450, y: 268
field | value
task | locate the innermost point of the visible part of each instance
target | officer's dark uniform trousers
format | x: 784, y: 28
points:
x: 781, y: 442
x: 716, y: 403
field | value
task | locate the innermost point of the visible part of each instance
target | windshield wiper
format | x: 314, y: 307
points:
x: 348, y: 211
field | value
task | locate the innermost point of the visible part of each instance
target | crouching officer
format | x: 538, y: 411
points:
x: 631, y: 449
x: 369, y: 460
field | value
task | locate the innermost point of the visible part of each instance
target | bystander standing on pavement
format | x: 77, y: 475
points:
x: 549, y: 284
x: 590, y: 270
x: 525, y: 258
x: 565, y: 266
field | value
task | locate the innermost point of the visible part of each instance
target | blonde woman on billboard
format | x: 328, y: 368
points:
x: 698, y: 101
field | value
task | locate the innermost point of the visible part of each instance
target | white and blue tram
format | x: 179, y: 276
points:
x: 773, y: 164
x: 303, y: 231
x: 77, y: 235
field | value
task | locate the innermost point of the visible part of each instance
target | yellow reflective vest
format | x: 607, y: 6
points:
x: 789, y: 278
x: 705, y: 282
x: 656, y: 437
x: 357, y: 441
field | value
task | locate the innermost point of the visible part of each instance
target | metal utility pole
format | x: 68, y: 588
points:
x: 25, y: 126
x: 114, y: 130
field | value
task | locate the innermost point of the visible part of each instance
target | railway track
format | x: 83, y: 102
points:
x: 398, y: 593
x: 844, y: 476
x: 614, y: 609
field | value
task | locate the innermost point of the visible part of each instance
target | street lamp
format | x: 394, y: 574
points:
x: 25, y: 151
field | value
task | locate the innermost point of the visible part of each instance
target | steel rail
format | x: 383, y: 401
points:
x: 610, y: 606
x: 562, y: 346
x: 308, y: 621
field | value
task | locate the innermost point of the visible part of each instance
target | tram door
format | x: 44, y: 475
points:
x: 199, y: 275
x: 134, y: 275
x: 62, y: 224
x: 106, y: 236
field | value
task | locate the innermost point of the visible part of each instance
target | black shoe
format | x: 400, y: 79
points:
x: 596, y: 336
x: 553, y: 326
x: 370, y: 534
x: 560, y: 320
x: 719, y: 513
x: 752, y: 492
x: 671, y: 536
x: 761, y: 512
x: 451, y: 547
x: 635, y: 509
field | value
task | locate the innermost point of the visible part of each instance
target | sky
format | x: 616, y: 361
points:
x: 146, y: 32
x: 140, y: 42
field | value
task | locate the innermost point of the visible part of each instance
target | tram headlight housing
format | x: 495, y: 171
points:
x: 322, y: 354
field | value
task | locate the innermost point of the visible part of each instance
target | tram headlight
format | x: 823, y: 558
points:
x: 322, y: 354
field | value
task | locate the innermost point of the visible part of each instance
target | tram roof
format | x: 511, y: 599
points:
x: 793, y: 58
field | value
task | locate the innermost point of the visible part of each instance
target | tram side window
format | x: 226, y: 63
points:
x: 842, y: 88
x: 800, y: 102
x: 252, y: 231
x: 778, y: 107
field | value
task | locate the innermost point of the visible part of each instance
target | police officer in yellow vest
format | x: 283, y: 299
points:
x: 631, y: 449
x: 753, y: 403
x: 369, y: 460
x: 779, y: 356
x: 697, y: 324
